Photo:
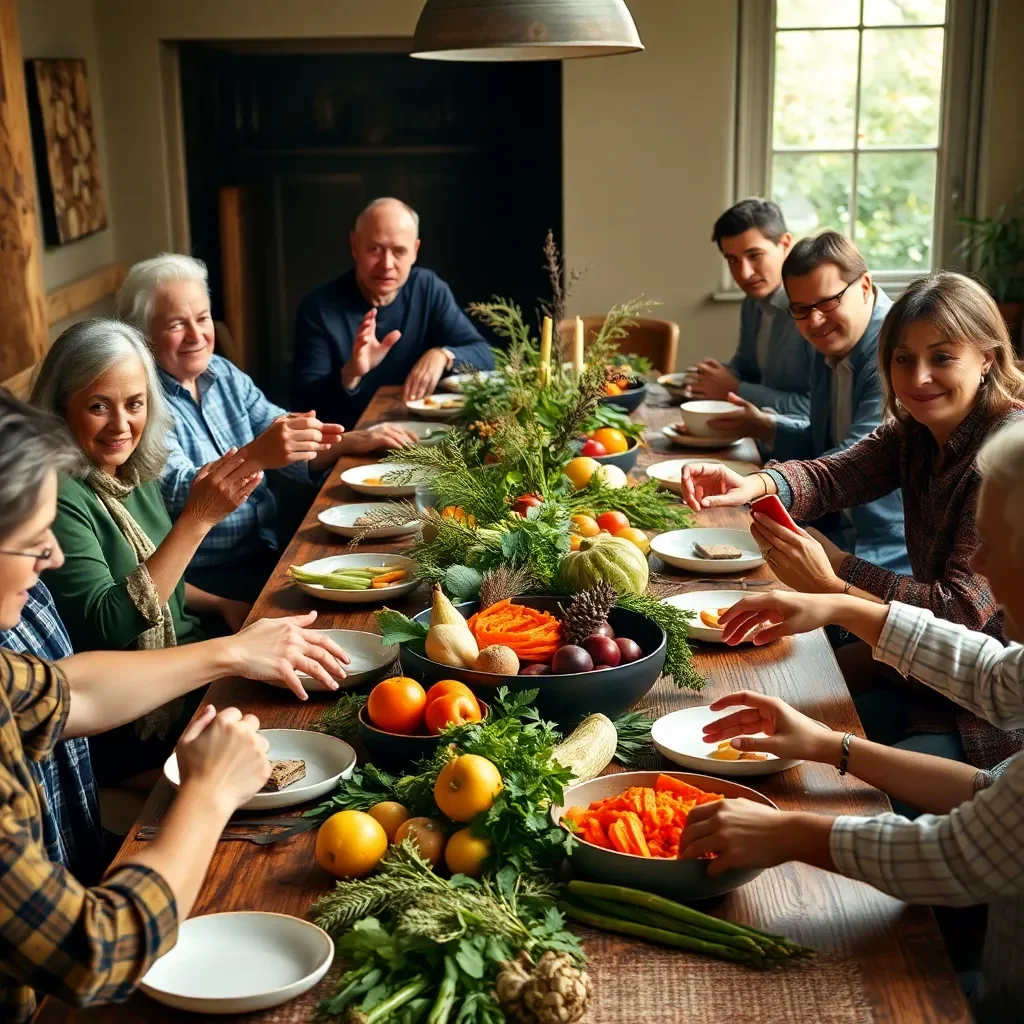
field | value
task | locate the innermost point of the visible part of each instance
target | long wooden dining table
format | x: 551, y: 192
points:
x: 879, y: 960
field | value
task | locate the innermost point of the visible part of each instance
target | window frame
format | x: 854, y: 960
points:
x: 963, y: 79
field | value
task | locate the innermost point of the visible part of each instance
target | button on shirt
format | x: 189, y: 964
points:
x: 231, y: 412
x: 975, y: 853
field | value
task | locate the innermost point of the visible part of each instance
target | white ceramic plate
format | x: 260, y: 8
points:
x: 369, y: 560
x: 698, y: 601
x: 669, y: 473
x: 679, y: 737
x: 368, y: 654
x: 358, y: 476
x: 456, y: 380
x: 341, y: 519
x: 675, y: 384
x: 690, y: 441
x: 440, y: 406
x: 239, y: 963
x: 676, y: 548
x: 327, y: 758
x: 426, y: 431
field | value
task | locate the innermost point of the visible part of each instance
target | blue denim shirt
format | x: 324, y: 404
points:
x: 873, y: 531
x: 783, y: 383
x: 231, y: 412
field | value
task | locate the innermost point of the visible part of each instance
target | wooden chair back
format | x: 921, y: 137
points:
x: 20, y: 385
x: 657, y: 340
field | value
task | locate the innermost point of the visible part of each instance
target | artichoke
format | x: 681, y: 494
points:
x: 554, y: 991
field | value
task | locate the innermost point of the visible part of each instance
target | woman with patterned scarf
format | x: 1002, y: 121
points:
x: 121, y: 585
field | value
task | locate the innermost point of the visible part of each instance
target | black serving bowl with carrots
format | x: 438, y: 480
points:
x: 563, y: 698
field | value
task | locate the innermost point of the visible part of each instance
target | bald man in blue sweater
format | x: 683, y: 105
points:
x: 385, y: 321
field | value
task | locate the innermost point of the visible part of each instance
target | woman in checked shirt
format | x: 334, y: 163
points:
x: 968, y: 847
x: 949, y: 380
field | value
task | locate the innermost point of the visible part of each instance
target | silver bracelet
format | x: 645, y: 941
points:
x: 845, y: 759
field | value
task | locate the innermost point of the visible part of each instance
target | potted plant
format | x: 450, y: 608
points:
x: 996, y: 244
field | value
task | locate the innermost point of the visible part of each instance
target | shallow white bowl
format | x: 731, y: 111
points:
x: 239, y: 962
x: 327, y: 758
x: 669, y: 473
x: 341, y: 519
x: 698, y: 601
x: 357, y: 476
x: 369, y: 560
x: 696, y: 415
x: 428, y: 432
x: 679, y: 737
x: 675, y: 384
x: 439, y: 406
x: 691, y: 441
x: 676, y: 548
x: 369, y: 658
x: 456, y: 380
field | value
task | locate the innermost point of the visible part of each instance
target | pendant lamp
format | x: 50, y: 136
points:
x: 507, y: 30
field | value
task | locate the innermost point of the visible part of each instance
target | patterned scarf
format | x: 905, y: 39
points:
x: 112, y: 493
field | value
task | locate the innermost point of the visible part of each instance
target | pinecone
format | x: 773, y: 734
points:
x: 587, y: 610
x: 503, y: 582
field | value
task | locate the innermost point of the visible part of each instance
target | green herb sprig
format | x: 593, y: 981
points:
x: 678, y: 656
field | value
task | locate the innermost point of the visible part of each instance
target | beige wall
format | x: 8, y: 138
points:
x: 66, y: 28
x: 1002, y: 168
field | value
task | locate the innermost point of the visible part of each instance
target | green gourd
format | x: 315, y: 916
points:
x: 618, y: 561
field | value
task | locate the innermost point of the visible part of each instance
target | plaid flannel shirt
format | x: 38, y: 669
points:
x: 231, y: 412
x: 71, y: 829
x: 975, y: 853
x: 84, y: 946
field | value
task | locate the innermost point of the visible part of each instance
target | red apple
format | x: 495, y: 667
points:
x: 603, y: 649
x: 629, y: 649
x: 593, y: 448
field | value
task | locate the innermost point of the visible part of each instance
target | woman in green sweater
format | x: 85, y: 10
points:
x: 121, y: 585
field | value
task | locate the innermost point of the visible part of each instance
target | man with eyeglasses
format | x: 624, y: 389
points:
x: 839, y: 310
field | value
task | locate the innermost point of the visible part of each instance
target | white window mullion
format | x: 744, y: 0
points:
x: 856, y: 128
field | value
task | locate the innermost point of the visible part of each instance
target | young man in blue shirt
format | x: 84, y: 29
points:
x: 771, y: 367
x: 383, y: 322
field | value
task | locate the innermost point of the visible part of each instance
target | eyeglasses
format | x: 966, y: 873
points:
x: 822, y: 305
x: 40, y: 556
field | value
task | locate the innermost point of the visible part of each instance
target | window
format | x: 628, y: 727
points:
x: 857, y: 115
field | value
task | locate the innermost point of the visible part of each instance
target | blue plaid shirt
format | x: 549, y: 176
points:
x: 231, y: 412
x: 71, y: 830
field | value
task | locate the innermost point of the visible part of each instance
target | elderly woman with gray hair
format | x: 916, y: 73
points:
x: 969, y: 847
x: 216, y: 407
x: 121, y: 585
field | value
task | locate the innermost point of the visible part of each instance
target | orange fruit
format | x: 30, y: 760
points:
x: 350, y: 843
x: 465, y: 853
x: 614, y: 440
x: 397, y: 705
x: 635, y: 536
x: 581, y: 469
x: 586, y: 526
x: 611, y: 390
x: 466, y: 786
x: 446, y: 686
x: 612, y: 522
x: 426, y: 835
x: 391, y: 815
x: 575, y: 540
x: 451, y: 709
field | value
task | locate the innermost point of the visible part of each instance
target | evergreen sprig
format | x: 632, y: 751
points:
x: 679, y: 665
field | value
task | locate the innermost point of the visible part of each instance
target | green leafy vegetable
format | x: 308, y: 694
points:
x: 462, y: 581
x: 341, y: 718
x: 396, y: 628
x: 365, y: 787
x: 633, y: 729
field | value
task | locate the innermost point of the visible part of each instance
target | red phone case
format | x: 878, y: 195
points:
x: 772, y: 507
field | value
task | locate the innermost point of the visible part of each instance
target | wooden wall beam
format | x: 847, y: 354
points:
x: 24, y: 334
x: 85, y: 292
x: 234, y: 253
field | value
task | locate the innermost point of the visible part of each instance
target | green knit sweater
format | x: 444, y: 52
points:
x: 90, y: 588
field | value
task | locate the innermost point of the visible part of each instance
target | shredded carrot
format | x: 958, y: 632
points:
x: 532, y: 634
x: 642, y: 821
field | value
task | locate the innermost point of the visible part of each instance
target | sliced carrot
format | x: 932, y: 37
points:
x: 635, y: 835
x: 618, y: 837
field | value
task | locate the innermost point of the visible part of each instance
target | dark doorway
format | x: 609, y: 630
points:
x: 310, y: 138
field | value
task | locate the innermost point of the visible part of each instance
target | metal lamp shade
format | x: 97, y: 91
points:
x: 507, y: 30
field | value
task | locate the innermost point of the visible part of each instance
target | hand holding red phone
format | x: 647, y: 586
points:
x: 797, y: 559
x: 770, y: 505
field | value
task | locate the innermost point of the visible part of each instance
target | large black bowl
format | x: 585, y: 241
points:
x: 628, y: 400
x: 565, y: 699
x: 624, y: 460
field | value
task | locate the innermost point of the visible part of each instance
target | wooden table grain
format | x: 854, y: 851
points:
x: 892, y: 952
